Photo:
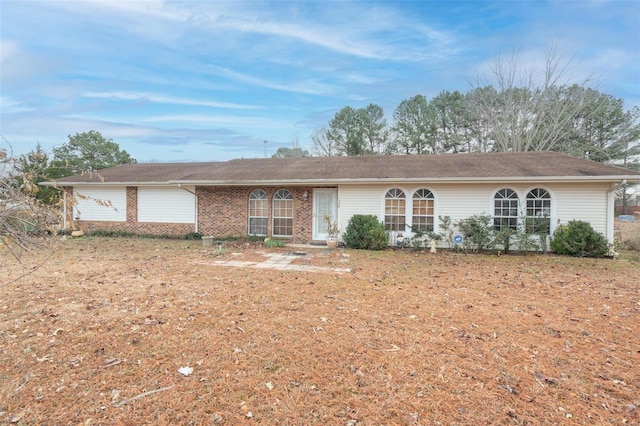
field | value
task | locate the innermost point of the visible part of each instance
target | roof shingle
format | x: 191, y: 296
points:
x: 455, y: 167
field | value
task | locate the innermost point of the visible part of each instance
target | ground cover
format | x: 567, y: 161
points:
x: 97, y: 334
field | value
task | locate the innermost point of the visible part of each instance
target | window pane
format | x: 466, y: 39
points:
x: 423, y: 210
x: 505, y: 210
x: 258, y: 213
x: 394, y: 208
x: 538, y: 211
x: 283, y: 213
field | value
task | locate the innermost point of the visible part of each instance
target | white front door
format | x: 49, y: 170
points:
x: 325, y: 203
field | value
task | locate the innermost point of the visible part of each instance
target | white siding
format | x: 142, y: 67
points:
x: 166, y: 205
x: 585, y: 202
x: 100, y: 204
x: 588, y: 202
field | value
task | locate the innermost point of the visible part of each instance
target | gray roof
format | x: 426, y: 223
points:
x: 525, y: 166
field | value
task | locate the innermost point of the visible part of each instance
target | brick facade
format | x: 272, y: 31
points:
x: 222, y: 212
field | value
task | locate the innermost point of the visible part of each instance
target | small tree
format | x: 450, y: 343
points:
x: 86, y: 152
x: 30, y: 170
x: 24, y: 220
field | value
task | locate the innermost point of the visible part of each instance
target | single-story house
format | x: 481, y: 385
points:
x: 290, y: 198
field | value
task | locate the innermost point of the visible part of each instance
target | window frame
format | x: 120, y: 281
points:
x: 282, y: 201
x: 538, y: 210
x: 395, y: 210
x: 252, y: 219
x: 502, y: 203
x: 426, y: 195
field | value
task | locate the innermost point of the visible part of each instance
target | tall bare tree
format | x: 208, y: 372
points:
x: 528, y: 110
x: 322, y: 145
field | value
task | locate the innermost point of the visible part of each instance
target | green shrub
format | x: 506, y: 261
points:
x: 365, y: 232
x: 273, y: 243
x: 192, y: 236
x: 111, y: 233
x: 577, y: 238
x: 478, y: 231
x: 504, y: 238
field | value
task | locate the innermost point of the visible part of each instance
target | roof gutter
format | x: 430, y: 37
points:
x: 359, y: 181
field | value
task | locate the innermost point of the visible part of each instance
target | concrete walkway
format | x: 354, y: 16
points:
x: 281, y: 262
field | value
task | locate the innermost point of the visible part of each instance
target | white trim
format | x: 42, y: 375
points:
x: 315, y: 234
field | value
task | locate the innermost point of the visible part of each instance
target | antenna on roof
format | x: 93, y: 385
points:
x: 265, y: 148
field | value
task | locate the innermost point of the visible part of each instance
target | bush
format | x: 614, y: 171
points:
x: 192, y: 236
x: 365, y: 232
x: 632, y: 243
x: 579, y: 239
x: 111, y: 233
x: 274, y: 243
x: 478, y: 231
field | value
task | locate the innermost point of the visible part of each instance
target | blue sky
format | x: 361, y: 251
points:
x: 212, y: 80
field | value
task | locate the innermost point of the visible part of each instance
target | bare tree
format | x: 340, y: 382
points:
x: 529, y: 111
x: 25, y: 222
x: 322, y: 145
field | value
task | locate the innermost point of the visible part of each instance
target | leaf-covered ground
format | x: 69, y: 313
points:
x: 97, y: 335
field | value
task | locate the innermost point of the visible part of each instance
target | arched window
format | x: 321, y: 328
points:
x: 258, y: 212
x: 283, y: 213
x: 394, y: 210
x: 505, y: 210
x: 538, y: 211
x: 423, y: 211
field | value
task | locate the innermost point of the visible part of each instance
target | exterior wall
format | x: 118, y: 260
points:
x: 588, y: 202
x: 224, y: 211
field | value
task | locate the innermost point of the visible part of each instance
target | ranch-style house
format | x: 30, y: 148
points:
x: 290, y: 198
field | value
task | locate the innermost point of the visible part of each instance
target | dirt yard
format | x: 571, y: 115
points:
x: 102, y: 331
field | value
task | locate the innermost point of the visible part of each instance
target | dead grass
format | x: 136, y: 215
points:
x: 406, y: 338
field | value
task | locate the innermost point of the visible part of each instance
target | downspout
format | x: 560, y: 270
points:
x: 64, y: 210
x: 196, y: 207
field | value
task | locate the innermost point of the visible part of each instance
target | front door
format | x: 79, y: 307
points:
x: 325, y: 203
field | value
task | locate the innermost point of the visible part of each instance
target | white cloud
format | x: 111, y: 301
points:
x: 308, y: 87
x: 219, y: 120
x: 149, y: 97
x: 9, y: 106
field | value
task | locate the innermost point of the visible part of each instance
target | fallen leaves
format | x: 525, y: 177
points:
x: 406, y: 338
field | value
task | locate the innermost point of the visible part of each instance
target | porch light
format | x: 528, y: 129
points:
x: 305, y: 195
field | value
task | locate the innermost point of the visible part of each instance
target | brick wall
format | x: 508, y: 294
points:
x: 224, y: 211
x: 132, y: 204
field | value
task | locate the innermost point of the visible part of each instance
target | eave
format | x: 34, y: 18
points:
x: 364, y: 181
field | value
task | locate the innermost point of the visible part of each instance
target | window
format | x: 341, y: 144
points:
x: 258, y: 212
x: 538, y: 211
x: 422, y: 211
x: 283, y: 213
x: 505, y: 210
x: 394, y: 210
